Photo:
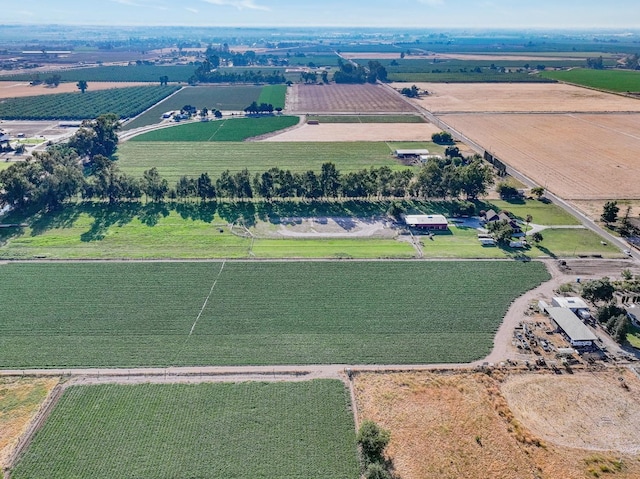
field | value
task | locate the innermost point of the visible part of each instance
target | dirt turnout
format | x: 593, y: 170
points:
x: 448, y: 426
x: 583, y: 157
x: 519, y: 97
x: 12, y: 89
x: 340, y: 98
x: 331, y: 132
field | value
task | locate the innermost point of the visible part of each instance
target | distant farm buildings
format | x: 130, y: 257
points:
x: 429, y: 222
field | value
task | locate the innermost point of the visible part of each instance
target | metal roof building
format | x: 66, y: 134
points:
x: 572, y: 327
x: 573, y: 303
x: 434, y: 222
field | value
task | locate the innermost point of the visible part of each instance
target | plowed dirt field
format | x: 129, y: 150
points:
x: 332, y: 132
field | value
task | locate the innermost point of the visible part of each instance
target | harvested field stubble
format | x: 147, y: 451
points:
x: 450, y: 426
x: 336, y: 98
x: 359, y: 132
x: 576, y: 156
x: 525, y: 98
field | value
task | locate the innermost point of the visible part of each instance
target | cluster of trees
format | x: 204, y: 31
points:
x: 312, y: 77
x: 615, y: 321
x: 622, y: 225
x: 595, y: 63
x: 442, y: 138
x: 262, y: 108
x: 351, y: 73
x: 632, y: 62
x: 53, y: 80
x: 412, y: 92
x: 372, y: 441
x: 204, y: 74
x: 96, y: 137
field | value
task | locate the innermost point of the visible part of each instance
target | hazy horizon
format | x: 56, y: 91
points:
x: 489, y: 14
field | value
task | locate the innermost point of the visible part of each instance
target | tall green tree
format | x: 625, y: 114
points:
x: 610, y: 212
x: 82, y: 86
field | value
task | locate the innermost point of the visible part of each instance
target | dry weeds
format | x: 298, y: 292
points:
x: 460, y: 425
x: 20, y: 400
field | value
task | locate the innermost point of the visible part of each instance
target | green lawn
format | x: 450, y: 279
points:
x: 332, y: 248
x: 274, y: 95
x: 5, y: 164
x: 573, y: 242
x: 236, y: 129
x: 633, y: 337
x: 542, y: 213
x: 235, y: 97
x: 367, y: 118
x: 175, y: 159
x: 244, y: 431
x: 612, y: 80
x: 151, y: 314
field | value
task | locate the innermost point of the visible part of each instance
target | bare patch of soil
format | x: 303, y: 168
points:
x: 460, y: 425
x: 328, y: 227
x: 331, y: 132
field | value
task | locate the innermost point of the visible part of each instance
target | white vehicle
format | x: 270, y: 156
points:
x: 627, y: 252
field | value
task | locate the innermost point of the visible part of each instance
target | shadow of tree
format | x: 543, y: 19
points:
x: 106, y: 215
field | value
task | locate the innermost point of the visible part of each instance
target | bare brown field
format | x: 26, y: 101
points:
x: 593, y: 209
x: 12, y: 89
x: 582, y: 157
x: 449, y: 426
x: 330, y: 132
x: 20, y: 400
x: 583, y: 410
x: 522, y: 97
x: 341, y: 98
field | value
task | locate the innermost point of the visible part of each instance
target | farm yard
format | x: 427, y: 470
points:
x: 294, y: 430
x: 12, y: 89
x: 574, y: 156
x: 235, y: 129
x: 341, y: 98
x: 519, y: 98
x: 450, y: 425
x: 234, y: 98
x: 338, y: 132
x: 159, y: 314
x: 124, y: 102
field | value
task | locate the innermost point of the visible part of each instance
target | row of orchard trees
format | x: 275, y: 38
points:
x: 50, y: 178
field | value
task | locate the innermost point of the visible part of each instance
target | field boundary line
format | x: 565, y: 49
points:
x: 206, y: 300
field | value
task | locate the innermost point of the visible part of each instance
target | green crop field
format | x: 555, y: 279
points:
x: 292, y: 430
x: 235, y: 129
x: 367, y: 118
x: 235, y: 97
x: 141, y: 73
x: 154, y: 314
x: 317, y: 60
x: 192, y: 159
x: 612, y: 80
x: 124, y: 102
x: 274, y: 95
x: 486, y: 76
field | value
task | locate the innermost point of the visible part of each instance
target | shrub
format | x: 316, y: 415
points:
x: 376, y: 471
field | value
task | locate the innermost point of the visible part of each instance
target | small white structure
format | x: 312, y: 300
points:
x: 430, y: 222
x: 410, y: 153
x: 574, y: 329
x: 487, y: 241
x: 573, y: 303
x: 517, y: 244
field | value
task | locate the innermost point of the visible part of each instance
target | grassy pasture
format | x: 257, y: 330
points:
x: 612, y: 80
x: 317, y: 60
x: 486, y: 76
x: 236, y: 129
x: 125, y: 102
x: 295, y: 430
x: 141, y: 314
x: 148, y: 73
x: 274, y: 95
x: 235, y: 97
x: 192, y: 159
x: 367, y: 118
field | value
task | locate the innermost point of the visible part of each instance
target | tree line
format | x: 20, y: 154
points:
x: 50, y: 178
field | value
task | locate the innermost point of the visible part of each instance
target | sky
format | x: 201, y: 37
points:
x: 556, y: 14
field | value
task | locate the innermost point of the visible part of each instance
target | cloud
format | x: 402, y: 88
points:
x: 239, y: 4
x: 432, y: 3
x: 192, y: 10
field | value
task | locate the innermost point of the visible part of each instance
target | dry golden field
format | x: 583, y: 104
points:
x: 20, y: 400
x: 12, y: 89
x: 331, y: 132
x: 340, y: 98
x: 451, y: 426
x: 519, y: 97
x: 584, y: 157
